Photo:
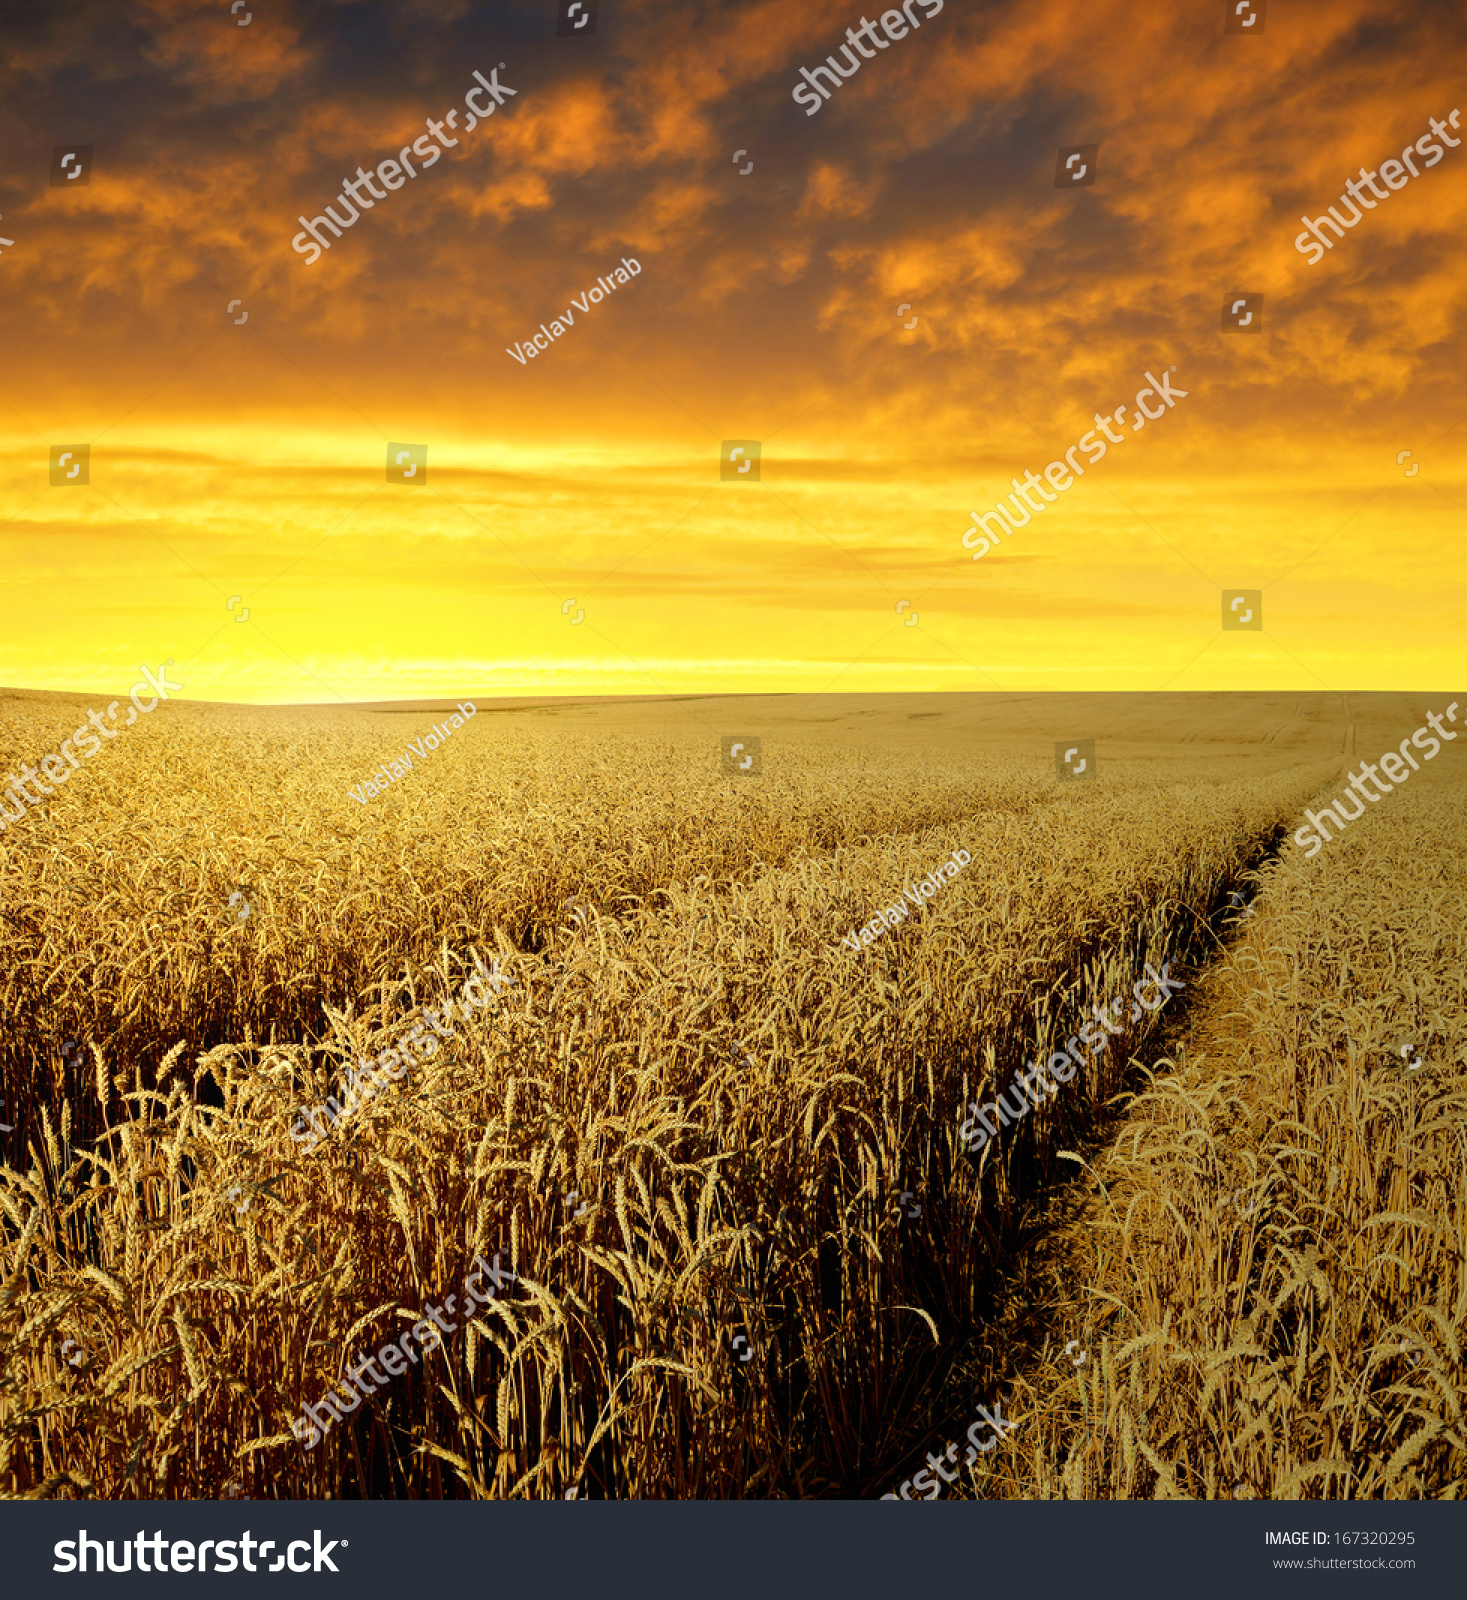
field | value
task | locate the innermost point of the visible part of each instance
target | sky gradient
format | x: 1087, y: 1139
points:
x: 246, y: 462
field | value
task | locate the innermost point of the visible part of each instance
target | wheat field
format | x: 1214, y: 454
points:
x: 718, y: 1148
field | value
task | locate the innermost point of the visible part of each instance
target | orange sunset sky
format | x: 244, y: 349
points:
x: 241, y: 466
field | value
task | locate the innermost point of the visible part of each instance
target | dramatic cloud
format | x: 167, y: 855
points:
x: 239, y: 400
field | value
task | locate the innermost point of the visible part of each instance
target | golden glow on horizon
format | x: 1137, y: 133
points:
x: 249, y: 460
